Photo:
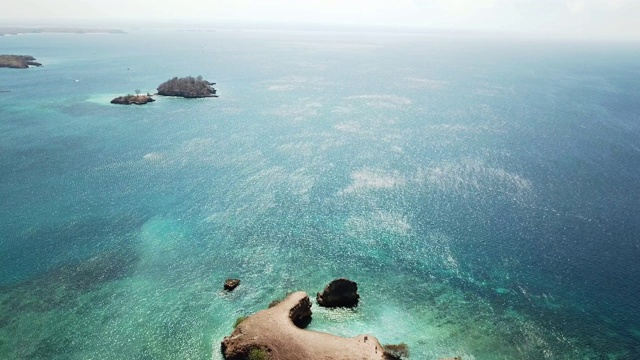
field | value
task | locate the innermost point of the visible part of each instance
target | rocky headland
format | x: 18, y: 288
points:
x: 273, y: 334
x: 133, y: 100
x: 278, y: 333
x: 18, y: 61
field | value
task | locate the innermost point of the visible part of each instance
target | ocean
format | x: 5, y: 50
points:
x: 484, y: 192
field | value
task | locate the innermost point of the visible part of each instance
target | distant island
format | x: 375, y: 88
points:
x: 5, y: 30
x: 133, y: 99
x: 187, y: 87
x: 18, y: 61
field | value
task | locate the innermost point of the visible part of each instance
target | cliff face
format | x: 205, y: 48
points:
x: 274, y: 333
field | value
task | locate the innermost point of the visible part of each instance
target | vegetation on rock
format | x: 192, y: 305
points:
x: 239, y: 320
x: 258, y: 354
x: 231, y: 284
x: 188, y: 87
x: 18, y: 61
x: 274, y: 303
x: 396, y: 352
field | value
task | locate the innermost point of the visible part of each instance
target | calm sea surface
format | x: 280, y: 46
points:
x: 484, y: 193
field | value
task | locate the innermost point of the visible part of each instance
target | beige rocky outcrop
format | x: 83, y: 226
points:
x: 274, y: 333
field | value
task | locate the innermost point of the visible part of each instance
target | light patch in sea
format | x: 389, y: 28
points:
x: 301, y: 148
x: 198, y: 145
x: 383, y: 101
x: 290, y: 83
x: 285, y: 87
x: 379, y: 221
x: 304, y: 111
x: 153, y: 157
x: 102, y: 99
x: 367, y: 179
x: 232, y: 110
x: 343, y: 110
x: 259, y: 192
x: 470, y: 175
x: 435, y: 251
x: 160, y: 243
x: 424, y: 83
x: 351, y: 127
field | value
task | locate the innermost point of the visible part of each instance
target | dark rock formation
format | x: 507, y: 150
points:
x: 273, y: 334
x: 339, y: 293
x: 300, y: 313
x: 18, y: 61
x: 231, y: 284
x: 132, y: 99
x: 187, y: 87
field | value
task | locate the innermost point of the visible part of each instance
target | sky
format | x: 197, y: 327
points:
x: 573, y: 18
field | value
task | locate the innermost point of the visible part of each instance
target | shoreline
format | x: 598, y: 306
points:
x: 274, y: 333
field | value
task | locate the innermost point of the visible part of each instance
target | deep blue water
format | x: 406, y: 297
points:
x: 484, y: 193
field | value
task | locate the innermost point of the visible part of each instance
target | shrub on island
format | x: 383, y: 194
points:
x: 258, y: 354
x: 187, y: 87
x: 396, y: 351
x: 239, y: 320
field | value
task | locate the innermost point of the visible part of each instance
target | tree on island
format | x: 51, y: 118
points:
x: 188, y: 87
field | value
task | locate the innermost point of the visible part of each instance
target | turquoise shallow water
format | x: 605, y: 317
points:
x: 482, y: 192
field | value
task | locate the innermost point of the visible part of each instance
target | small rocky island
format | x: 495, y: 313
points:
x: 274, y: 334
x: 278, y: 333
x: 18, y: 61
x: 133, y: 99
x: 187, y: 87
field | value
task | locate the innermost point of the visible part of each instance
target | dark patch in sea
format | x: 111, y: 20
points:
x: 60, y: 288
x: 38, y: 250
x: 52, y: 347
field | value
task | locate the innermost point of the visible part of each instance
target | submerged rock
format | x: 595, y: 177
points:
x: 231, y: 284
x: 339, y: 293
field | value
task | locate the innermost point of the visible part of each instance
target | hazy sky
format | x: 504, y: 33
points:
x: 588, y: 18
